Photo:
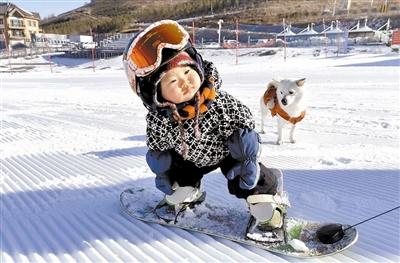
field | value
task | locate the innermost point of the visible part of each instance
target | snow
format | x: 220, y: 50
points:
x: 298, y: 245
x: 73, y: 139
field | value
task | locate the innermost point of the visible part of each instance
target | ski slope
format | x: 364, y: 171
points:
x: 73, y: 139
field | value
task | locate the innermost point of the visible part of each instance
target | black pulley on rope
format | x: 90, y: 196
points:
x: 329, y: 234
x: 332, y: 233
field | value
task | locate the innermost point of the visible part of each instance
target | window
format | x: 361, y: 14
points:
x: 17, y: 23
x: 17, y: 33
x: 1, y: 21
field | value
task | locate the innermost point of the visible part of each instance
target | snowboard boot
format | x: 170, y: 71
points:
x: 173, y: 206
x: 267, y: 217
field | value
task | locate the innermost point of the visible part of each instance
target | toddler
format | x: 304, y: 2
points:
x: 194, y: 127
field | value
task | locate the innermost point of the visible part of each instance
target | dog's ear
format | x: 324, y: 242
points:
x: 300, y: 82
x: 273, y: 83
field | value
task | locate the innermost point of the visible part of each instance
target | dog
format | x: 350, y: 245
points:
x: 286, y: 99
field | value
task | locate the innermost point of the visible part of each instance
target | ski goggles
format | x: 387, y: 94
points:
x: 144, y: 53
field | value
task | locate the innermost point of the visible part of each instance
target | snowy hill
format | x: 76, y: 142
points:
x: 73, y: 139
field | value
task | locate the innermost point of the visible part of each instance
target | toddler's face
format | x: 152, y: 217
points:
x: 180, y: 84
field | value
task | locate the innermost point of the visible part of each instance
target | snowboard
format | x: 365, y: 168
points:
x: 226, y: 221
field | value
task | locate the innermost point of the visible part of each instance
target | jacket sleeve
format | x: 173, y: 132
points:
x: 160, y: 163
x: 158, y: 137
x: 244, y: 146
x: 237, y: 126
x: 158, y: 156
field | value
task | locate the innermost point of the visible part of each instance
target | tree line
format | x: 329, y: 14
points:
x: 119, y: 15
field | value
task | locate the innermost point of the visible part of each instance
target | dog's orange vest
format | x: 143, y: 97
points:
x: 271, y: 94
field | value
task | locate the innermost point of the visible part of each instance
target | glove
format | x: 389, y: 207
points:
x: 160, y: 163
x: 244, y: 145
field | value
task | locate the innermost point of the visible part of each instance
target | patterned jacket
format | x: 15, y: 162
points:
x: 225, y: 115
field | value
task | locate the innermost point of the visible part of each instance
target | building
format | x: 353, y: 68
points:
x: 17, y: 26
x: 51, y: 40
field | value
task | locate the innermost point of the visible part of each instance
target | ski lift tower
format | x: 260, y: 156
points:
x: 219, y: 31
x: 287, y: 32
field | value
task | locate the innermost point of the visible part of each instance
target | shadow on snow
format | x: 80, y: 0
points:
x: 63, y: 218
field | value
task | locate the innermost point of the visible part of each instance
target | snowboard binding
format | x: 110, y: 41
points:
x: 267, y: 214
x: 172, y: 206
x: 267, y: 218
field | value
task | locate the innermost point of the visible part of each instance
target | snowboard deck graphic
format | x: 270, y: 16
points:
x: 230, y: 222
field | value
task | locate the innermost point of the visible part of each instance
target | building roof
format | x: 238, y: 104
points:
x: 308, y: 31
x: 9, y: 7
x: 36, y: 14
x: 287, y: 32
x: 363, y: 29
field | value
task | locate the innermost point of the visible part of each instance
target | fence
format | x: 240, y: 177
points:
x: 28, y: 52
x: 332, y: 39
x: 92, y: 54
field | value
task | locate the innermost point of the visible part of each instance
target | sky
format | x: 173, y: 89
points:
x: 48, y: 7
